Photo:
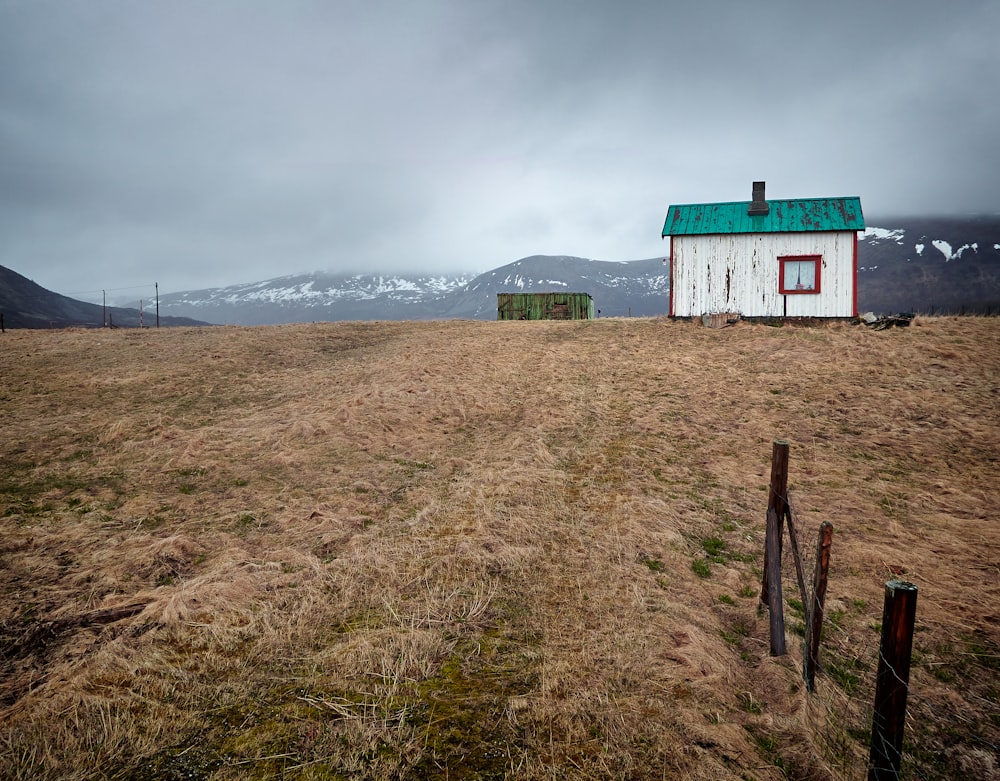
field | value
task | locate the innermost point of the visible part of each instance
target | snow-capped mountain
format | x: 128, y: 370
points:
x: 637, y: 287
x: 319, y: 296
x: 618, y: 288
x: 945, y: 264
x: 930, y: 264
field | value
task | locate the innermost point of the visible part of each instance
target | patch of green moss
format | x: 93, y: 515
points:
x: 466, y: 727
x: 654, y: 565
x: 701, y: 568
x: 190, y: 762
x: 846, y: 673
x: 714, y: 548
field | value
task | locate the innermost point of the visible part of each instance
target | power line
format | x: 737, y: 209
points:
x: 110, y: 289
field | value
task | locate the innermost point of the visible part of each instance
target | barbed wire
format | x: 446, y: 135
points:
x: 846, y: 689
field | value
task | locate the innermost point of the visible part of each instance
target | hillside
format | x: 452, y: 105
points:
x: 465, y: 549
x: 25, y: 304
x: 930, y: 264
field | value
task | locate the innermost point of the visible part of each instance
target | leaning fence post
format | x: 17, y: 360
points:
x: 773, y: 574
x: 816, y: 606
x: 776, y: 502
x: 893, y: 679
x: 793, y: 538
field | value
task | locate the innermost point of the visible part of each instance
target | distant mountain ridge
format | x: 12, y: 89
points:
x: 619, y: 288
x: 637, y: 287
x: 319, y: 295
x: 930, y: 264
x: 941, y: 264
x: 920, y: 264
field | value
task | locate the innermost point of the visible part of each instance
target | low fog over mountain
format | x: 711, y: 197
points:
x: 907, y: 264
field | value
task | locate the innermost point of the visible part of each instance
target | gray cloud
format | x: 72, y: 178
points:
x: 202, y: 144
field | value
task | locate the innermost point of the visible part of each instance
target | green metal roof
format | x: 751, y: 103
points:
x: 801, y: 214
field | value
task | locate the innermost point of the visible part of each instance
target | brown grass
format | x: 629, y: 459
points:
x: 469, y: 550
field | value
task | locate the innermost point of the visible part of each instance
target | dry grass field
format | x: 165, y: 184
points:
x: 470, y: 550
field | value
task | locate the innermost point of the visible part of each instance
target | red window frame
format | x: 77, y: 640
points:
x: 792, y: 288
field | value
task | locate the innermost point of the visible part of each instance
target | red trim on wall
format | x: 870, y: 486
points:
x: 784, y: 290
x: 854, y: 304
x: 670, y: 310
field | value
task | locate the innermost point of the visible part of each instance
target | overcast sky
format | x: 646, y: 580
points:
x: 199, y: 144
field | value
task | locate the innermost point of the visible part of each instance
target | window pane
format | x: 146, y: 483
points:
x: 800, y: 275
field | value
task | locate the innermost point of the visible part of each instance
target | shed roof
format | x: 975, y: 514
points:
x: 800, y: 214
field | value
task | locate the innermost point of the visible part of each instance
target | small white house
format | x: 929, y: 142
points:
x: 760, y: 258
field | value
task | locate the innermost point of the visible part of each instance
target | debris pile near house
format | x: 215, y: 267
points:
x: 880, y: 323
x: 720, y: 320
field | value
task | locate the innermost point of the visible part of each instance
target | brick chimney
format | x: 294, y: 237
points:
x: 758, y: 206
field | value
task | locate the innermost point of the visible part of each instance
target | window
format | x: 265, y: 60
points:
x: 799, y: 274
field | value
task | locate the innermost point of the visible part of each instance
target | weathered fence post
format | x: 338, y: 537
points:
x: 776, y: 502
x: 815, y: 607
x: 893, y: 679
x: 773, y: 575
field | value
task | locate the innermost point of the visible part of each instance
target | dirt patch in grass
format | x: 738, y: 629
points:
x: 487, y: 550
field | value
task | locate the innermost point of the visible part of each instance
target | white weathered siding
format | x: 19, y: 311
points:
x: 739, y: 273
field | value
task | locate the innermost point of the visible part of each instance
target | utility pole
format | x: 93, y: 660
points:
x: 157, y: 284
x: 104, y: 309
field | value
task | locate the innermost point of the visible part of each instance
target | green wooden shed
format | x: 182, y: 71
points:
x: 545, y: 306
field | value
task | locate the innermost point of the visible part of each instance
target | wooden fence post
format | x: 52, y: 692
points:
x: 773, y: 575
x: 776, y: 502
x: 893, y: 679
x: 816, y: 606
